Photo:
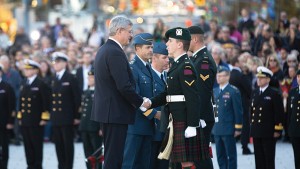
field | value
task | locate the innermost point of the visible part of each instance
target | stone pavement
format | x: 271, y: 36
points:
x: 284, y: 157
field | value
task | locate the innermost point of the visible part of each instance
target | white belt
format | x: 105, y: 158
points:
x: 175, y: 98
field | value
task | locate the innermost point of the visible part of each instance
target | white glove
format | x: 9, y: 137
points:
x: 202, y: 123
x: 190, y: 132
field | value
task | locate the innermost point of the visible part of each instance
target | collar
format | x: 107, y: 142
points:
x: 264, y: 88
x: 236, y: 68
x: 176, y: 59
x: 31, y: 79
x: 86, y: 67
x: 157, y: 72
x: 0, y: 79
x: 116, y: 42
x: 222, y: 88
x: 145, y: 63
x: 92, y: 88
x: 60, y: 73
x: 199, y: 50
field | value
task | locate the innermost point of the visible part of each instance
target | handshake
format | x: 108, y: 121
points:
x: 146, y: 104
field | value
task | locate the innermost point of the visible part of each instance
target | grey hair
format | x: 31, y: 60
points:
x: 118, y: 22
x: 218, y: 48
x: 4, y: 58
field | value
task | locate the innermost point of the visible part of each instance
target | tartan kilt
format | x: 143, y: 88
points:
x: 188, y: 149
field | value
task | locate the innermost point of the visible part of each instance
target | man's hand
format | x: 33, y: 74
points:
x: 9, y: 126
x: 276, y: 134
x: 100, y: 133
x: 76, y: 122
x: 157, y: 115
x: 43, y: 123
x: 237, y: 133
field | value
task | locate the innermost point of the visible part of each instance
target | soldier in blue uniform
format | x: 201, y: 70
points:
x: 7, y: 104
x: 34, y: 113
x: 229, y: 125
x: 266, y: 119
x: 90, y: 130
x: 294, y: 120
x: 138, y: 142
x: 160, y: 62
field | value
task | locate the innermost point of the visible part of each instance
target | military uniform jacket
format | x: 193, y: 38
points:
x: 65, y: 100
x: 182, y: 80
x: 86, y: 124
x: 230, y: 111
x: 144, y: 121
x: 34, y: 103
x: 206, y: 69
x: 7, y: 104
x: 294, y: 112
x: 266, y: 113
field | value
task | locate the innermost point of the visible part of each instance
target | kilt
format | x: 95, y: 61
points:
x: 188, y: 149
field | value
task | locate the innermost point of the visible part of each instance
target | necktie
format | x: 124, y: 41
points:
x: 221, y: 90
x: 260, y: 92
x: 148, y: 68
x: 28, y: 82
x: 162, y: 78
x: 57, y: 77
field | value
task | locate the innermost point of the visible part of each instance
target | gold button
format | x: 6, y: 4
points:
x: 297, y: 114
x: 252, y: 120
x: 29, y: 105
x: 53, y: 95
x: 23, y: 99
x: 298, y: 108
x: 59, y: 95
x: 28, y: 111
x: 59, y: 109
x: 23, y: 104
x: 53, y: 102
x: 82, y: 103
x: 260, y: 108
x: 259, y: 114
x: 54, y: 109
x: 253, y: 108
x: 22, y: 110
x: 59, y: 102
x: 259, y: 121
x: 252, y: 114
x: 29, y: 99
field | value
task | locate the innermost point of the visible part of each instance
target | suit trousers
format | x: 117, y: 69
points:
x: 264, y: 152
x: 91, y: 142
x: 226, y: 151
x: 114, y: 136
x: 137, y: 152
x: 63, y: 137
x: 33, y: 144
x: 4, y: 148
x: 206, y: 164
x: 296, y: 148
x: 156, y: 163
x: 246, y: 128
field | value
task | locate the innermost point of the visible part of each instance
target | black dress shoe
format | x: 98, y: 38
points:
x: 246, y: 151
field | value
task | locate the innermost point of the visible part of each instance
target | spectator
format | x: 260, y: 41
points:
x: 246, y: 21
x: 158, y: 32
x: 95, y: 38
x: 21, y: 38
x: 56, y: 29
x: 4, y: 40
x: 274, y: 65
x: 202, y: 24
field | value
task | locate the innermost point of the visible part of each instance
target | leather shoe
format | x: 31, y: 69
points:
x: 246, y: 151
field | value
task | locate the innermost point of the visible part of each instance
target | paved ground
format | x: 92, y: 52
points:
x: 284, y: 157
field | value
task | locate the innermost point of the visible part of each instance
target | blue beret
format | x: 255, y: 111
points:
x: 143, y: 39
x: 178, y: 33
x: 160, y: 48
x: 223, y: 69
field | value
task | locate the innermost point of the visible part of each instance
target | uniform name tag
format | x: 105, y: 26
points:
x: 267, y: 98
x: 226, y: 96
x: 66, y: 84
x: 35, y: 89
x: 2, y: 91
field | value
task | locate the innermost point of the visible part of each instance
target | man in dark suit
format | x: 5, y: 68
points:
x: 206, y: 69
x: 294, y: 120
x: 243, y: 83
x: 115, y: 96
x: 266, y: 119
x: 246, y: 22
x: 33, y: 114
x: 160, y: 62
x: 65, y: 107
x: 229, y: 125
x: 138, y: 142
x: 7, y: 104
x: 82, y: 72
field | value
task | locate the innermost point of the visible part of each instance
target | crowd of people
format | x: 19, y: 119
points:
x: 248, y: 55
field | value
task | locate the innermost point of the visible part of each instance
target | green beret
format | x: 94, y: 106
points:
x: 178, y: 33
x: 196, y: 30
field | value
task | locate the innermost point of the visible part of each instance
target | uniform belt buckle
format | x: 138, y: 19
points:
x: 168, y: 98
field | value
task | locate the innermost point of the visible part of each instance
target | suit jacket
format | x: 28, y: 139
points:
x: 86, y: 124
x: 34, y: 102
x: 182, y: 80
x: 206, y: 69
x: 230, y: 111
x: 159, y: 87
x: 115, y: 96
x: 144, y: 121
x: 243, y: 83
x: 65, y: 100
x: 294, y: 112
x: 79, y: 77
x: 7, y: 104
x: 266, y: 113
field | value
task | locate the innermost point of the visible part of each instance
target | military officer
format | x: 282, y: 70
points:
x: 183, y: 101
x: 140, y: 134
x: 7, y: 104
x: 64, y: 113
x: 206, y: 69
x: 266, y: 119
x: 34, y: 113
x: 90, y: 130
x: 294, y: 120
x: 229, y: 125
x: 160, y: 62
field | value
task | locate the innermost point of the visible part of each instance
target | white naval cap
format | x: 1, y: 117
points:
x: 31, y: 64
x: 264, y: 72
x: 59, y: 56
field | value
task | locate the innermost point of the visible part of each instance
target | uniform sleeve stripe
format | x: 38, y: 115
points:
x: 148, y: 112
x: 238, y: 126
x: 278, y: 127
x: 45, y: 115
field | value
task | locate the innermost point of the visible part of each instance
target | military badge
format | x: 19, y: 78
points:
x: 204, y: 77
x: 190, y: 84
x: 2, y: 91
x: 178, y: 32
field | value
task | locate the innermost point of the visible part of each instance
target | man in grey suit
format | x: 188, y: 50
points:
x: 115, y: 96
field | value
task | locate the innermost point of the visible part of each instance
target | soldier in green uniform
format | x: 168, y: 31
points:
x: 90, y: 130
x: 182, y: 99
x: 206, y: 69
